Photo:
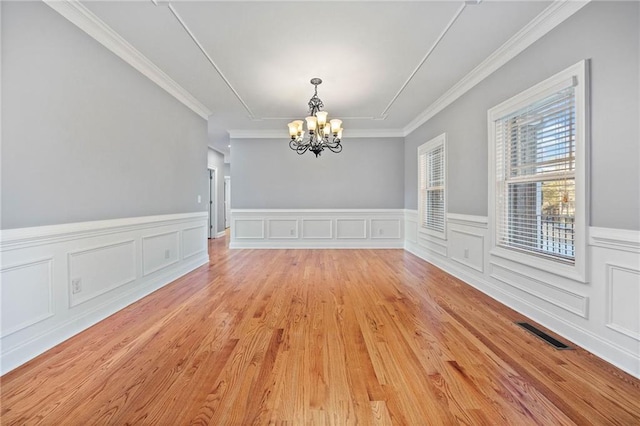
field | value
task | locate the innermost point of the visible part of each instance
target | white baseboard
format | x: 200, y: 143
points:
x: 114, y: 263
x: 598, y: 316
x: 267, y: 245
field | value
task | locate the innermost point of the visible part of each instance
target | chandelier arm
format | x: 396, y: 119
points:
x: 335, y: 142
x: 302, y: 149
x: 336, y: 149
x: 299, y: 147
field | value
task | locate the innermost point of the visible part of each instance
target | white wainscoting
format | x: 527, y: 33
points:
x: 59, y: 280
x: 602, y: 315
x: 159, y: 251
x: 27, y: 294
x: 97, y: 270
x: 302, y: 228
x: 192, y: 242
x: 317, y: 228
x: 282, y: 228
x: 351, y: 228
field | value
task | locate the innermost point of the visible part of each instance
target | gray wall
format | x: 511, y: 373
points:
x: 84, y: 135
x: 608, y: 34
x: 216, y: 160
x: 368, y: 173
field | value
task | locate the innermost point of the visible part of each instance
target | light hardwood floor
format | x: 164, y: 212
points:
x: 316, y: 337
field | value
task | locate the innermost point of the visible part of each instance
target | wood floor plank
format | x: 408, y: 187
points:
x: 304, y: 337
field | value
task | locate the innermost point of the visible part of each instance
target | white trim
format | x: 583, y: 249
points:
x: 234, y: 228
x: 582, y: 311
x: 317, y: 219
x: 314, y: 211
x: 424, y: 149
x: 411, y: 214
x: 610, y: 267
x: 539, y: 26
x: 146, y: 272
x: 597, y: 344
x: 433, y: 244
x: 33, y: 347
x: 316, y: 244
x: 616, y: 239
x: 75, y: 300
x: 24, y: 237
x: 210, y: 59
x: 58, y: 244
x: 213, y: 186
x: 293, y: 236
x: 435, y: 44
x: 577, y: 76
x: 349, y: 133
x: 220, y: 234
x: 84, y: 19
x: 381, y: 236
x: 391, y: 221
x: 184, y: 254
x: 40, y: 318
x: 365, y: 228
x: 468, y: 220
x: 464, y: 261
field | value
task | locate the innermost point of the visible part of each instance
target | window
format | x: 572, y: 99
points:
x: 538, y: 176
x: 432, y: 194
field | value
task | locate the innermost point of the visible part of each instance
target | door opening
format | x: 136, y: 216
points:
x: 227, y: 201
x: 213, y: 211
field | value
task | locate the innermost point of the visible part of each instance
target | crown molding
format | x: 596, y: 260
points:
x: 215, y: 66
x: 435, y: 44
x: 349, y: 133
x: 84, y: 19
x: 547, y: 20
x: 539, y: 26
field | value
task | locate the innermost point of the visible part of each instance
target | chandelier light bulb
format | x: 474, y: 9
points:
x: 336, y: 125
x: 293, y: 129
x: 311, y: 123
x: 322, y: 118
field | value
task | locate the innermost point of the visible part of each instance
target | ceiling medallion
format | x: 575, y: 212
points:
x: 322, y: 134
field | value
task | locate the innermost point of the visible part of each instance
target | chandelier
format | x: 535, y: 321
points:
x: 322, y: 134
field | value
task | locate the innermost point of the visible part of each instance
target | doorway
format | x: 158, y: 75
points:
x: 227, y: 201
x: 213, y: 210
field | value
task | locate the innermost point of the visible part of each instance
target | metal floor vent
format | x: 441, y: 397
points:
x: 544, y: 336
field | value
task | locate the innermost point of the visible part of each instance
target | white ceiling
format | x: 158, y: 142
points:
x: 249, y: 62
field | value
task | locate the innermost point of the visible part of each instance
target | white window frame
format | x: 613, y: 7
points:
x: 576, y: 75
x: 431, y: 145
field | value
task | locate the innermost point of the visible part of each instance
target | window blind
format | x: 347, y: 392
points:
x: 432, y: 184
x: 535, y: 160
